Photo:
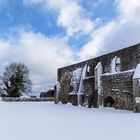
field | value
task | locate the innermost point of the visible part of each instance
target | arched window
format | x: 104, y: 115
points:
x: 116, y: 64
x: 109, y: 102
x: 88, y: 70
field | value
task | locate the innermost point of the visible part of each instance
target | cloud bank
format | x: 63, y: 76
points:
x: 70, y: 15
x: 118, y: 33
x: 41, y: 54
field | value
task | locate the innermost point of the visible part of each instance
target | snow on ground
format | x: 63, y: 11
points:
x: 48, y: 121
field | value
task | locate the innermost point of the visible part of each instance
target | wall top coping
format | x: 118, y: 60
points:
x: 121, y: 72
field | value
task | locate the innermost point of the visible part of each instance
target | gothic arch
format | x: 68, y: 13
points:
x: 109, y: 102
x: 116, y: 64
x: 88, y: 71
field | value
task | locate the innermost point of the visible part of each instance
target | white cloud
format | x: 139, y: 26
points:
x: 97, y: 44
x: 4, y: 46
x: 118, y: 33
x: 70, y: 15
x: 41, y: 54
x: 129, y: 9
x: 44, y: 55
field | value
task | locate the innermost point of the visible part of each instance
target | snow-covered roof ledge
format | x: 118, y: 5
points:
x: 137, y: 72
x: 120, y: 72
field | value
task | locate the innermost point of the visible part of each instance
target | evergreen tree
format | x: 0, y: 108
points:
x: 15, y: 80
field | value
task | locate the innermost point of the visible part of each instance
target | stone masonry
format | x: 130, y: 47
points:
x: 105, y: 81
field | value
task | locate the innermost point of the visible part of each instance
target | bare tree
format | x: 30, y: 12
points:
x: 15, y: 80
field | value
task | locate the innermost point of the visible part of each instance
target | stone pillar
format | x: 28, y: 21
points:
x: 55, y: 95
x: 97, y: 84
x: 136, y: 95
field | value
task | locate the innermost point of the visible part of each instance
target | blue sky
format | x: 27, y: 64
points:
x: 15, y: 13
x: 49, y: 34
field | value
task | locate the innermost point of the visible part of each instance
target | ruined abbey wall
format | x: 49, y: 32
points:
x: 115, y: 87
x: 120, y: 87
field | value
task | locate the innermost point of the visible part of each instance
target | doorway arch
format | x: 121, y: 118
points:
x: 109, y: 102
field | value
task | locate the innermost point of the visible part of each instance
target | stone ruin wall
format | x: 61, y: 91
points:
x: 129, y: 59
x: 120, y: 88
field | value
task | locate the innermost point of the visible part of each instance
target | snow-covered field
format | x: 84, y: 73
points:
x: 47, y: 121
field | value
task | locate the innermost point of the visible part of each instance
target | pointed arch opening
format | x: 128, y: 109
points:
x: 109, y: 102
x: 116, y: 64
